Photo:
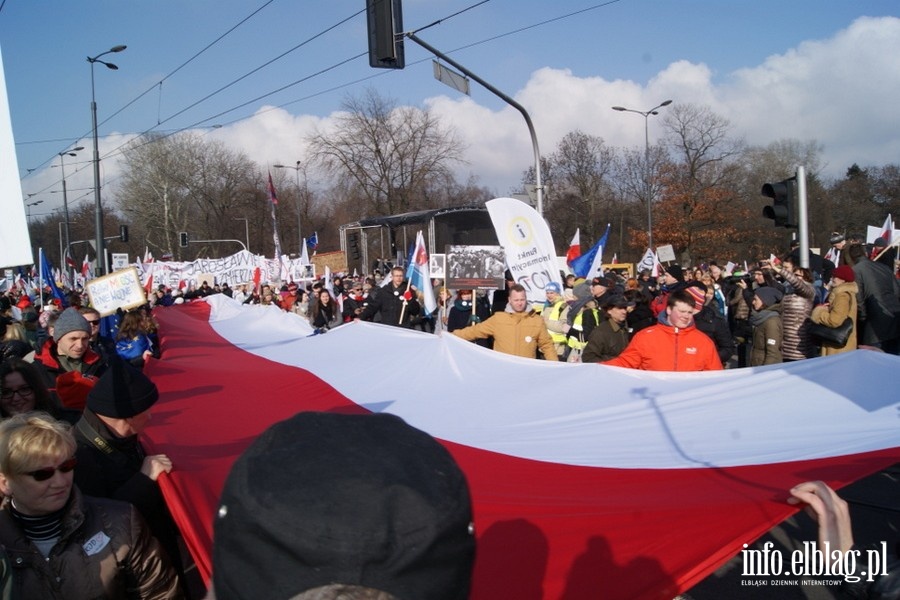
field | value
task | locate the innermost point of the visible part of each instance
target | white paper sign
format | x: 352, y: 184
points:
x: 120, y: 289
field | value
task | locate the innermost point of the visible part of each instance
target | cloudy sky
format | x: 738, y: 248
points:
x: 266, y: 73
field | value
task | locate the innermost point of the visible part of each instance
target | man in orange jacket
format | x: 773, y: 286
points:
x: 674, y: 344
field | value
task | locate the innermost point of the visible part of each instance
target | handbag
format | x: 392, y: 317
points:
x: 833, y: 335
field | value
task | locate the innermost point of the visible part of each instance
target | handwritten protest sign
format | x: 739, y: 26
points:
x: 120, y: 289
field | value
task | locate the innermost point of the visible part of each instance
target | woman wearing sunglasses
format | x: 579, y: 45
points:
x: 62, y: 544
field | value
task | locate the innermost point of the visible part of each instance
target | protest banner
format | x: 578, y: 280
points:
x: 120, y: 289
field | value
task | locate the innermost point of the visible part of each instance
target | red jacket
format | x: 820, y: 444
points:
x: 666, y: 348
x: 70, y: 388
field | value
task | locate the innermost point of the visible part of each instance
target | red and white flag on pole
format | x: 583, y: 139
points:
x: 887, y: 230
x: 574, y: 247
x: 85, y: 267
x: 70, y: 262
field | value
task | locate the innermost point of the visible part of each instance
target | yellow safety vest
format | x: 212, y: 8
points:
x: 577, y: 340
x: 560, y: 306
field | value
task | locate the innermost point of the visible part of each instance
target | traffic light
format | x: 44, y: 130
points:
x: 782, y: 209
x: 385, y: 22
x: 123, y: 233
x: 183, y: 239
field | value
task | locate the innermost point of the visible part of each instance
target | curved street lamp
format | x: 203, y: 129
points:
x: 646, y: 114
x: 30, y: 204
x: 98, y: 207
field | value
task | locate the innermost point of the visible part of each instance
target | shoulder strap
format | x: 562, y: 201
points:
x: 95, y: 438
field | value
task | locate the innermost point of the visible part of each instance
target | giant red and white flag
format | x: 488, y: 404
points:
x: 613, y: 484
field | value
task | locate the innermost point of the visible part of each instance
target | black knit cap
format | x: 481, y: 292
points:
x: 326, y: 498
x: 122, y: 392
x: 676, y: 272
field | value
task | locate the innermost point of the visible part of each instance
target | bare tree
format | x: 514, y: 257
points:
x: 579, y: 191
x: 395, y: 156
x: 185, y: 183
x: 701, y: 206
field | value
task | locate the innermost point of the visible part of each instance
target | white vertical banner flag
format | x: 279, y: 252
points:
x: 526, y: 239
x: 15, y: 243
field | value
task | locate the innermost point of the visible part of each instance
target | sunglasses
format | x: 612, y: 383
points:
x: 45, y: 474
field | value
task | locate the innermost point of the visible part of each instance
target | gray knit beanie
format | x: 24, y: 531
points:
x: 70, y: 320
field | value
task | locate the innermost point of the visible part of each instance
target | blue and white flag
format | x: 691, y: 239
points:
x: 590, y: 264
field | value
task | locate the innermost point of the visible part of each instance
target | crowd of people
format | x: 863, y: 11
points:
x: 82, y: 515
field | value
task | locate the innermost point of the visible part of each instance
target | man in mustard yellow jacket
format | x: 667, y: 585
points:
x: 517, y: 331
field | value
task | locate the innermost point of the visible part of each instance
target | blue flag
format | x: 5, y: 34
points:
x: 47, y: 274
x: 590, y: 264
x: 313, y: 241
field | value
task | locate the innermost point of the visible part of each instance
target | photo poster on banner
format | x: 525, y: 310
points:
x: 307, y: 272
x: 120, y: 289
x: 437, y: 264
x: 119, y: 261
x: 475, y: 267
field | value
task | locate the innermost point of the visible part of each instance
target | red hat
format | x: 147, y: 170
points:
x: 844, y: 272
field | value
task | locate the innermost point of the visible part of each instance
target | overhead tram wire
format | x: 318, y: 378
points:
x: 190, y: 60
x: 266, y: 64
x: 297, y: 82
x: 447, y: 18
x: 527, y: 27
x: 114, y: 151
x: 167, y: 76
x: 383, y: 73
x: 359, y: 80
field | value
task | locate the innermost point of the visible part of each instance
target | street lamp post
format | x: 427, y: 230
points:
x: 296, y: 169
x: 30, y: 204
x: 98, y: 207
x: 646, y: 114
x: 62, y: 168
x: 246, y: 229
